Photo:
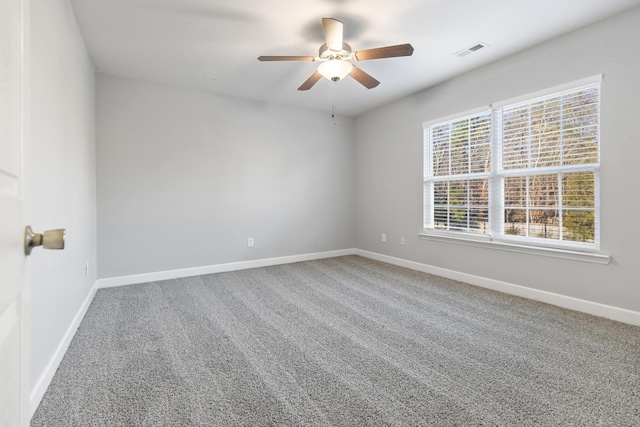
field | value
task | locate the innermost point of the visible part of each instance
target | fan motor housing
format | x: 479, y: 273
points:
x: 326, y: 53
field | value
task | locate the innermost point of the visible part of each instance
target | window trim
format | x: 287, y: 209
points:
x: 488, y: 242
x: 522, y: 244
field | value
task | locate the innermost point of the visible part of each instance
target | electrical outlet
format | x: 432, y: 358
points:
x: 402, y: 241
x: 250, y: 242
x: 384, y: 238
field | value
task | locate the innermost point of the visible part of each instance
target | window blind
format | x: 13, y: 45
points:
x: 460, y: 162
x: 550, y: 155
x: 552, y: 131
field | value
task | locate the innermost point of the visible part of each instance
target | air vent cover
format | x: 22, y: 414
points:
x: 473, y: 48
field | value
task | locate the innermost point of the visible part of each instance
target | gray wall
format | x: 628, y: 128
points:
x: 62, y: 172
x: 185, y: 177
x: 389, y: 164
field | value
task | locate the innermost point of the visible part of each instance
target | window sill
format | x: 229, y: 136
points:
x: 485, y: 242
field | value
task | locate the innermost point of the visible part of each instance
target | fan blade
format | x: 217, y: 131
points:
x: 285, y: 58
x: 365, y: 79
x: 333, y: 33
x: 385, y: 52
x: 310, y: 81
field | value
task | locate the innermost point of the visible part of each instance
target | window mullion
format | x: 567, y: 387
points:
x: 560, y: 211
x: 527, y: 203
x: 496, y: 187
x: 449, y: 182
x: 529, y: 148
x: 561, y: 133
x: 448, y: 205
x: 468, y: 149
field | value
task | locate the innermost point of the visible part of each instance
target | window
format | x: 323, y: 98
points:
x: 459, y: 173
x: 525, y: 171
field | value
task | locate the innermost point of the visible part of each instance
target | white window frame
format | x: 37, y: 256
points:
x: 495, y: 236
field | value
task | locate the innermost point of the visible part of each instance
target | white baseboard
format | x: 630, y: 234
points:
x: 219, y: 268
x: 589, y: 307
x: 37, y: 393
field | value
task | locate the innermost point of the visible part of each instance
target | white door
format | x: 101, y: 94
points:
x: 13, y: 300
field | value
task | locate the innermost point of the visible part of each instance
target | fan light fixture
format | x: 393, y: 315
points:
x: 335, y: 69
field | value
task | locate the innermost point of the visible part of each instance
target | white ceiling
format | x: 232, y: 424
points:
x: 212, y: 45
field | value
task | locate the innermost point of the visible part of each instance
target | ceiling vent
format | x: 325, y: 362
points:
x: 473, y: 48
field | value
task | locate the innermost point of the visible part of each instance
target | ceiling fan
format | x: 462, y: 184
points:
x: 335, y: 57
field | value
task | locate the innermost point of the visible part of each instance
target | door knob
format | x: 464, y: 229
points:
x: 51, y: 239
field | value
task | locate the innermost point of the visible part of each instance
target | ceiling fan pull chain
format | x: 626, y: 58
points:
x: 333, y: 103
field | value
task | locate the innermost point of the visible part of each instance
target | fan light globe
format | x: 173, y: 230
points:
x: 335, y: 69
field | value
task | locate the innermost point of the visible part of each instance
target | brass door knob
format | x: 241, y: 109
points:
x: 50, y: 239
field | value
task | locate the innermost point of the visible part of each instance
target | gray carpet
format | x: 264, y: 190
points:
x: 344, y: 342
